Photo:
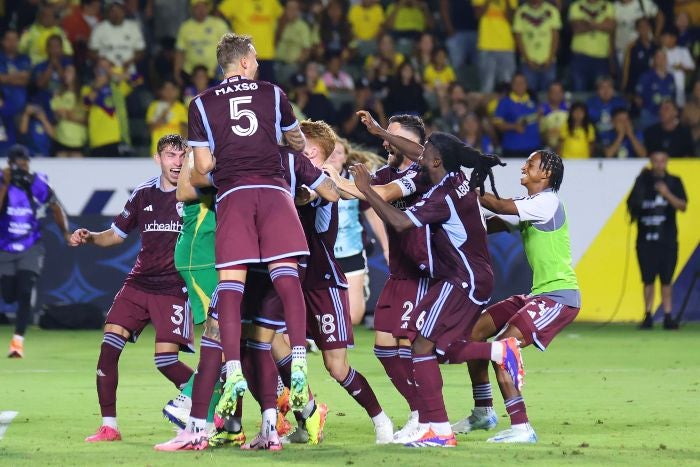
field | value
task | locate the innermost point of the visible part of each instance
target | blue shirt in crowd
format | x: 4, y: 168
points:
x: 600, y: 114
x: 654, y: 89
x: 14, y: 97
x: 512, y: 109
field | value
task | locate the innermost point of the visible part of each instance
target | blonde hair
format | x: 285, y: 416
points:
x: 320, y: 133
x: 231, y: 48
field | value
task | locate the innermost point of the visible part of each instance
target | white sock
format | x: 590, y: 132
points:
x: 298, y: 353
x: 521, y: 426
x: 424, y: 426
x: 280, y: 386
x: 497, y: 351
x: 442, y: 428
x: 380, y: 419
x: 18, y: 337
x: 414, y: 415
x: 196, y: 424
x: 110, y: 422
x: 269, y: 420
x: 232, y: 366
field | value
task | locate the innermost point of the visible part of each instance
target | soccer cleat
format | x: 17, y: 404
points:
x: 647, y: 322
x: 315, y: 423
x: 481, y: 418
x: 513, y: 361
x: 283, y: 402
x: 384, y: 431
x: 401, y: 436
x: 515, y: 435
x: 311, y: 346
x: 298, y: 436
x: 299, y: 390
x: 177, y: 410
x: 105, y: 433
x: 670, y: 323
x: 264, y: 443
x: 185, y: 440
x: 283, y: 427
x: 16, y: 348
x: 234, y: 386
x: 431, y: 440
x: 224, y: 438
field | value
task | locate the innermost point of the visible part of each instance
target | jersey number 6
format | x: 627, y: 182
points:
x: 237, y: 113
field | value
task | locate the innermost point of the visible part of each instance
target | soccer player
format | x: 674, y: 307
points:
x: 326, y: 296
x: 551, y: 305
x: 153, y: 291
x: 234, y: 130
x: 458, y: 260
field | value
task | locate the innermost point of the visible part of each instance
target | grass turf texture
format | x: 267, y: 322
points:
x: 599, y: 396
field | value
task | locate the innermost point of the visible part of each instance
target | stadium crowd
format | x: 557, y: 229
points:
x: 588, y: 78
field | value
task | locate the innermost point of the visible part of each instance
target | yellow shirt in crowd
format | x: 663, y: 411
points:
x: 407, y: 18
x: 256, y: 18
x: 576, y: 144
x: 177, y: 117
x: 536, y: 27
x: 33, y: 42
x: 495, y: 33
x: 593, y: 43
x: 366, y: 22
x: 198, y: 42
x: 432, y: 77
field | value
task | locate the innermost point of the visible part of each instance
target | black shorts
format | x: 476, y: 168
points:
x: 657, y: 259
x: 353, y: 265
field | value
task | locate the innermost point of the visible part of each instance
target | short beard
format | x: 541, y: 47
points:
x: 396, y: 159
x: 425, y: 177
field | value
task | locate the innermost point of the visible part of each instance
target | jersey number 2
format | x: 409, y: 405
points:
x: 238, y: 113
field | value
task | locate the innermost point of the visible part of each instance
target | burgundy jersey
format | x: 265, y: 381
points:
x: 303, y: 171
x: 408, y: 251
x: 459, y: 252
x: 157, y: 215
x: 241, y: 121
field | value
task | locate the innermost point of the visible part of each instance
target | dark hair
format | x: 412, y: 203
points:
x: 198, y: 68
x: 411, y: 123
x: 586, y: 119
x: 551, y: 162
x: 455, y: 154
x: 174, y: 140
x: 619, y: 110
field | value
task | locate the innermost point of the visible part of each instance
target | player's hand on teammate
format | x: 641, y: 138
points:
x: 304, y: 196
x: 369, y: 121
x: 79, y: 237
x: 362, y: 176
x: 330, y: 170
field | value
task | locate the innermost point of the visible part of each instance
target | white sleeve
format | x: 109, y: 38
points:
x: 686, y: 59
x: 137, y: 37
x: 406, y: 184
x: 512, y: 222
x: 95, y: 43
x: 539, y: 208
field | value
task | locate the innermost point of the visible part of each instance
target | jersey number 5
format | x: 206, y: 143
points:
x: 237, y: 113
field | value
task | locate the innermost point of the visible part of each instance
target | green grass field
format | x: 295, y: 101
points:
x: 599, y: 396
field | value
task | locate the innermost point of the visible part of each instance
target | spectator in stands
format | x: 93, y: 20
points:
x: 536, y: 28
x: 593, y: 24
x: 554, y: 115
x: 460, y: 24
x: 680, y: 62
x: 292, y: 40
x: 199, y: 83
x: 689, y: 7
x: 196, y: 42
x: 166, y: 115
x: 628, y: 142
x: 33, y: 40
x: 350, y: 123
x: 496, y: 46
x: 381, y: 78
x: 638, y: 56
x: 117, y: 39
x: 15, y: 71
x: 36, y: 130
x: 406, y: 20
x: 70, y: 132
x: 386, y: 48
x: 48, y: 75
x: 107, y: 119
x: 653, y: 202
x: 688, y: 36
x: 405, y: 93
x: 78, y: 25
x: 167, y: 17
x: 691, y: 116
x: 516, y: 117
x: 669, y: 135
x: 627, y: 13
x: 578, y: 135
x: 653, y: 87
x: 312, y: 104
x: 257, y: 19
x: 601, y: 107
x: 439, y: 74
x: 452, y: 119
x: 367, y: 20
x: 337, y: 80
x: 473, y: 134
x: 422, y: 55
x: 334, y: 29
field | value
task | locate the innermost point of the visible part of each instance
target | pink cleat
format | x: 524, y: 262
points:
x: 105, y: 433
x: 185, y: 441
x: 270, y: 443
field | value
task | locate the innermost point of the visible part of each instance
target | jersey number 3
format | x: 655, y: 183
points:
x: 237, y: 113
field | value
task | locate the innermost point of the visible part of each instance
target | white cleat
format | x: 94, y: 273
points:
x: 515, y: 435
x: 384, y: 430
x: 298, y: 436
x: 481, y: 418
x: 402, y: 436
x: 177, y: 411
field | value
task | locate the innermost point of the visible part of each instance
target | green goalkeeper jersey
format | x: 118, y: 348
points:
x: 195, y: 245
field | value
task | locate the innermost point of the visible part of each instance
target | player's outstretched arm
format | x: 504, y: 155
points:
x: 328, y: 190
x: 204, y: 161
x: 498, y: 206
x: 388, y: 213
x: 106, y: 238
x: 410, y: 149
x: 348, y: 190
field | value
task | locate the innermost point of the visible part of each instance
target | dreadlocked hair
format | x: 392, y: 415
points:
x: 551, y: 162
x: 455, y: 154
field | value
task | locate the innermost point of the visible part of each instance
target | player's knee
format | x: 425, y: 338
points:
x: 422, y: 346
x: 337, y: 368
x: 116, y: 329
